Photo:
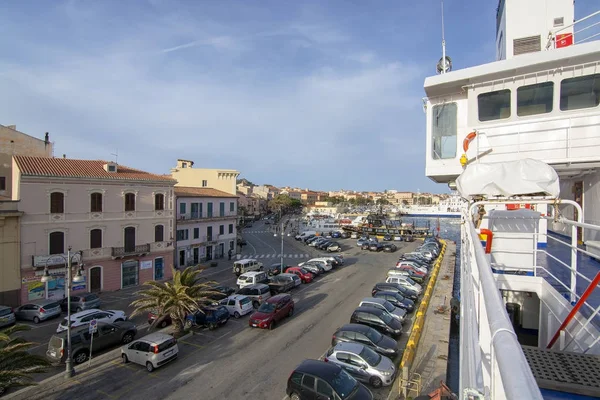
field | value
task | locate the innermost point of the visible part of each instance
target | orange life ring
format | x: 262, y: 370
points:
x: 468, y: 140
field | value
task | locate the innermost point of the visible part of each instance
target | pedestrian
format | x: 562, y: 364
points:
x: 229, y: 254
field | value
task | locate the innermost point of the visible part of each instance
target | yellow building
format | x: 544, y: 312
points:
x: 10, y: 253
x: 220, y: 179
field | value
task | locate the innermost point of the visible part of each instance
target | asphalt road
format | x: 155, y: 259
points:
x: 239, y: 362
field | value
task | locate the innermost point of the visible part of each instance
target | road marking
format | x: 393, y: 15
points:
x: 192, y: 344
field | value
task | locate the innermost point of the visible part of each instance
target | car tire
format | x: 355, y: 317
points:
x: 294, y: 396
x: 212, y: 326
x: 2, y: 390
x: 238, y: 271
x: 80, y: 357
x: 149, y: 367
x: 236, y: 315
x: 291, y: 312
x: 272, y: 325
x: 255, y: 304
x: 128, y: 337
x: 375, y: 382
x: 187, y: 324
x: 36, y: 320
x: 163, y: 324
x: 124, y: 358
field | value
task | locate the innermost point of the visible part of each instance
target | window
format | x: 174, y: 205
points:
x: 129, y: 274
x: 96, y: 202
x: 196, y: 233
x: 308, y: 382
x: 443, y: 129
x: 535, y: 99
x: 2, y: 183
x: 204, y: 183
x: 96, y: 239
x: 159, y: 233
x: 209, y: 210
x: 182, y: 208
x: 129, y: 239
x: 230, y: 228
x: 129, y: 202
x: 296, y: 377
x: 324, y: 389
x: 159, y: 201
x: 580, y: 92
x: 209, y: 233
x: 231, y: 245
x: 222, y: 209
x: 231, y: 206
x: 57, y: 243
x: 57, y: 203
x: 494, y: 105
x: 221, y: 229
x: 182, y: 234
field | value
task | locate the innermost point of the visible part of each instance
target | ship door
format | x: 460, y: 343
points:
x: 578, y: 198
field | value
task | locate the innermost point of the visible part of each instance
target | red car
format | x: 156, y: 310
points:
x: 304, y: 275
x: 272, y: 311
x: 166, y: 320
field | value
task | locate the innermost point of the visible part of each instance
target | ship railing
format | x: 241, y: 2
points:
x: 492, y: 363
x: 584, y: 29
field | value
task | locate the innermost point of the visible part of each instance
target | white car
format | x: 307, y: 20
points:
x: 323, y: 263
x: 84, y: 317
x: 237, y: 305
x: 151, y: 351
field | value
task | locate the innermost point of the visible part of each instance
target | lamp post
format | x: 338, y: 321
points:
x: 69, y: 371
x: 282, y: 234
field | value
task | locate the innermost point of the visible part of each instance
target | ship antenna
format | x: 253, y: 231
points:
x: 445, y: 63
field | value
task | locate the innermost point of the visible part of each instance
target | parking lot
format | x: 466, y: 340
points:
x: 236, y: 361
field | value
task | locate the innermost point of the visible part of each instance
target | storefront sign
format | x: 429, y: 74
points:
x: 54, y: 259
x: 146, y: 264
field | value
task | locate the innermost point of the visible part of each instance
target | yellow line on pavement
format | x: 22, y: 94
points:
x: 192, y: 344
x: 106, y: 394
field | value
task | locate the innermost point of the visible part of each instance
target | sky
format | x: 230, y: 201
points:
x: 312, y: 94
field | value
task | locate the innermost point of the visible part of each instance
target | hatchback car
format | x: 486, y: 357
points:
x: 7, y: 316
x: 366, y: 336
x: 257, y: 293
x: 383, y: 304
x: 237, y: 305
x: 83, y: 318
x: 396, y: 299
x: 333, y: 246
x: 221, y: 292
x: 81, y: 301
x: 152, y: 351
x: 304, y: 275
x: 377, y: 319
x: 362, y: 363
x: 314, y: 379
x: 394, y: 287
x: 272, y: 311
x: 389, y: 247
x: 38, y: 310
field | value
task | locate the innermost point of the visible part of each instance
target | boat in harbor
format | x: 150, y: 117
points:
x: 447, y: 208
x: 380, y: 225
x: 519, y: 139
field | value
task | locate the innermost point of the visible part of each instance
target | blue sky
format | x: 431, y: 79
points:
x: 325, y: 95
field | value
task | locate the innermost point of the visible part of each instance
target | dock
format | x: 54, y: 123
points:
x: 424, y: 363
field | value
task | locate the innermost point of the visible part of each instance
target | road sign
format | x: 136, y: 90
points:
x: 93, y: 326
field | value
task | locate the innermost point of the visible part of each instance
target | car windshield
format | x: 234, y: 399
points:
x: 388, y: 306
x: 266, y: 308
x: 303, y: 271
x: 386, y: 318
x: 5, y: 312
x: 343, y: 384
x: 370, y: 356
x: 373, y: 335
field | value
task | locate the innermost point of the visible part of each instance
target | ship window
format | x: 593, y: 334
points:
x: 580, y: 92
x: 443, y: 128
x: 535, y: 99
x: 494, y: 105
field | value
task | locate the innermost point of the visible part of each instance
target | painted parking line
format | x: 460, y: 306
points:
x: 106, y: 394
x: 192, y: 344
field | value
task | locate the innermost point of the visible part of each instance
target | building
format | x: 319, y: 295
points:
x: 118, y: 222
x: 405, y: 198
x: 206, y: 224
x: 10, y: 247
x: 267, y: 192
x: 219, y: 179
x: 244, y: 188
x: 293, y: 194
x: 308, y: 197
x: 250, y: 206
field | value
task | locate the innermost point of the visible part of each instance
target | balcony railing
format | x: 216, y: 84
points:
x: 195, y: 217
x: 130, y: 251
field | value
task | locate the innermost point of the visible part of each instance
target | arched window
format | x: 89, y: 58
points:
x: 159, y: 233
x: 159, y: 201
x: 96, y: 202
x: 129, y: 201
x: 57, y: 203
x: 96, y: 238
x: 57, y: 243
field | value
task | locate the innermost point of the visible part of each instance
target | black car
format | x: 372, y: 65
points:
x: 365, y: 246
x: 376, y: 247
x: 314, y: 379
x: 323, y: 245
x: 394, y: 287
x: 223, y: 291
x: 397, y: 300
x: 389, y: 247
x: 387, y: 237
x: 275, y: 269
x: 377, y: 319
x: 339, y: 260
x: 409, y: 238
x: 367, y: 336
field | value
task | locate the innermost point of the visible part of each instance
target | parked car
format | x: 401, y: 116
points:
x: 252, y: 278
x: 396, y: 299
x: 377, y: 319
x: 383, y: 304
x: 304, y: 275
x: 82, y: 301
x: 106, y: 336
x: 152, y: 351
x: 275, y: 269
x: 283, y: 283
x: 38, y: 310
x: 237, y: 305
x: 394, y: 287
x: 367, y: 336
x: 163, y: 321
x: 257, y: 293
x: 397, y: 238
x: 339, y: 258
x: 389, y: 247
x: 363, y: 363
x: 222, y: 292
x: 408, y: 273
x: 375, y: 247
x: 405, y: 281
x: 336, y: 235
x: 361, y: 242
x: 208, y: 316
x: 409, y: 238
x: 387, y: 238
x: 333, y: 246
x: 7, y: 316
x: 246, y: 265
x: 272, y: 311
x: 83, y: 318
x: 314, y: 379
x: 314, y: 269
x: 366, y: 245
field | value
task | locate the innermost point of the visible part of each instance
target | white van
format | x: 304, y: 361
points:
x: 252, y: 278
x: 305, y: 234
x: 246, y: 265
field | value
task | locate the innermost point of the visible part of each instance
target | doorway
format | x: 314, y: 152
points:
x: 181, y: 258
x: 209, y: 253
x: 129, y: 239
x: 95, y: 279
x: 578, y: 198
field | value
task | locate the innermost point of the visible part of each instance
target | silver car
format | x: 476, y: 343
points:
x: 362, y: 363
x: 152, y: 351
x: 384, y: 305
x: 7, y: 316
x: 38, y: 310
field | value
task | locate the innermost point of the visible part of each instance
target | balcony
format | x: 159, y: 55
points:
x: 139, y: 250
x: 197, y: 217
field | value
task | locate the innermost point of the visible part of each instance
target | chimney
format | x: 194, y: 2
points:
x: 64, y: 156
x: 47, y: 139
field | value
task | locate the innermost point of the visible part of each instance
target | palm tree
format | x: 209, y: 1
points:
x: 177, y: 299
x: 16, y: 364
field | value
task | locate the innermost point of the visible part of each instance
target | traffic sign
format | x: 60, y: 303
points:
x: 93, y: 326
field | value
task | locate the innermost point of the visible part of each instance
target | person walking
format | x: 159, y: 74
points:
x: 229, y: 254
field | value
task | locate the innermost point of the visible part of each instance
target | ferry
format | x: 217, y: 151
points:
x: 519, y: 139
x: 380, y: 225
x: 448, y: 208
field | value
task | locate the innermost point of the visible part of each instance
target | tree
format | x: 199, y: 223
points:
x: 177, y: 299
x: 281, y: 203
x: 383, y: 202
x: 16, y: 363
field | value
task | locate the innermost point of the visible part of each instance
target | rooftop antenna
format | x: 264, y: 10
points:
x: 116, y: 156
x: 445, y: 63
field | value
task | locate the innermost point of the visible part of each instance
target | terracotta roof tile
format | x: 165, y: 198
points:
x: 186, y: 191
x: 72, y: 168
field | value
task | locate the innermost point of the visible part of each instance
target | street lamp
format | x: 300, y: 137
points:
x: 69, y: 371
x: 282, y: 235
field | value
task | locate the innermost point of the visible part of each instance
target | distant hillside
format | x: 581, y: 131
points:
x: 245, y: 182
